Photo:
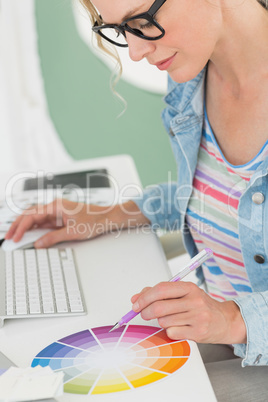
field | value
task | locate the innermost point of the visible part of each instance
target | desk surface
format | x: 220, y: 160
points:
x: 128, y: 261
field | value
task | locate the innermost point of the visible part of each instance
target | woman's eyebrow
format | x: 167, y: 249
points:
x: 129, y: 14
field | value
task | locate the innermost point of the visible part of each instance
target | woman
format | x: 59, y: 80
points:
x: 216, y: 54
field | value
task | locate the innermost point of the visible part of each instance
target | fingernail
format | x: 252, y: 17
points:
x: 135, y: 306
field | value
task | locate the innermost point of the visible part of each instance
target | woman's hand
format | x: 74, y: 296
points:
x: 187, y: 312
x: 74, y: 221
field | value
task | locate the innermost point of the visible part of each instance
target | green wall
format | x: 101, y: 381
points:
x: 83, y: 108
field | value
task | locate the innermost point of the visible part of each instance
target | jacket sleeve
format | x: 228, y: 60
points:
x: 254, y: 310
x: 158, y: 204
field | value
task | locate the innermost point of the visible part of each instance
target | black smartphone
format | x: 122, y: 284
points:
x: 84, y: 179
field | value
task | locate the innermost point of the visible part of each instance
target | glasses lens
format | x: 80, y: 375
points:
x: 144, y: 27
x: 113, y: 35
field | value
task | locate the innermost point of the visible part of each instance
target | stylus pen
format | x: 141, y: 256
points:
x: 191, y: 266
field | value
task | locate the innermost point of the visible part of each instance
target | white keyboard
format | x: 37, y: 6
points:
x: 39, y: 283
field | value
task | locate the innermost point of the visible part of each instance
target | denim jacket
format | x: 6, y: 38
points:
x: 165, y: 206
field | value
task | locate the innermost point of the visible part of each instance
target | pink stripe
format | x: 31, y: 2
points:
x: 206, y: 189
x: 217, y: 296
x: 232, y: 260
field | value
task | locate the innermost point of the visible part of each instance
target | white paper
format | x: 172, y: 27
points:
x: 18, y: 384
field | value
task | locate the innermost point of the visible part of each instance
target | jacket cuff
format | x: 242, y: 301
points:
x: 254, y: 310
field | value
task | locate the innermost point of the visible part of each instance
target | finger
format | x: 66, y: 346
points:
x: 27, y: 223
x: 197, y: 323
x: 52, y: 238
x: 137, y: 295
x: 13, y: 227
x: 29, y: 211
x: 41, y: 215
x: 182, y: 332
x: 165, y: 308
x: 162, y: 291
x: 134, y: 298
x: 11, y: 231
x: 176, y: 320
x: 190, y: 332
x: 35, y: 215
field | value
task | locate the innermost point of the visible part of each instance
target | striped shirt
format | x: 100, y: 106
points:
x: 212, y: 216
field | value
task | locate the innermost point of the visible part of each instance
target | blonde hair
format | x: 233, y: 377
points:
x: 94, y: 16
x: 264, y: 3
x: 107, y: 48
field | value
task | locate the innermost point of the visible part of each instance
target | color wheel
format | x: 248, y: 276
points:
x: 95, y: 361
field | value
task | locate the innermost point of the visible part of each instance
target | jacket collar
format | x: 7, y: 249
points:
x: 187, y: 95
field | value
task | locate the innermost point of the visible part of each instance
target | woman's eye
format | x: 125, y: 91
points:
x: 140, y: 24
x: 148, y: 25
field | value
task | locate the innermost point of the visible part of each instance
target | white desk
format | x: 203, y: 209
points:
x: 112, y: 268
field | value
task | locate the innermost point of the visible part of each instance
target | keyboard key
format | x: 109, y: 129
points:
x: 48, y: 308
x: 76, y: 307
x: 35, y: 308
x: 61, y: 306
x: 10, y: 309
x: 21, y: 308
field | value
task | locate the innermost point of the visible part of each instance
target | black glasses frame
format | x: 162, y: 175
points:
x: 123, y: 27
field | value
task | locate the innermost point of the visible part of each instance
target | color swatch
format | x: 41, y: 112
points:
x: 95, y: 361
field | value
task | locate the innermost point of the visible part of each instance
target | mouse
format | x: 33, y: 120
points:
x: 27, y: 241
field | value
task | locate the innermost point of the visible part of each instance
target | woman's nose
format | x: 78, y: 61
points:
x: 138, y: 48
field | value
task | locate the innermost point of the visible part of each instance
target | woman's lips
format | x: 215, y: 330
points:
x: 164, y: 64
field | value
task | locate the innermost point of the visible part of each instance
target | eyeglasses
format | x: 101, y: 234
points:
x: 142, y: 25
